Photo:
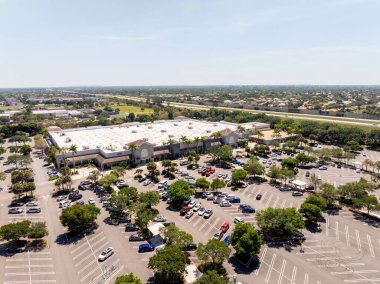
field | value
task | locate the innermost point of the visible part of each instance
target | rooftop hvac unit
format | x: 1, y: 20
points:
x: 190, y: 127
x: 150, y: 127
x: 163, y: 130
x: 208, y: 131
x: 145, y: 139
x: 134, y: 131
x: 175, y: 124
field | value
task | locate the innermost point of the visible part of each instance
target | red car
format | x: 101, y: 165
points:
x: 224, y: 228
x: 184, y: 210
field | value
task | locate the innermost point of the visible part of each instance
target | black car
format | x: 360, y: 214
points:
x: 258, y: 197
x: 84, y: 187
x: 141, y: 179
x: 75, y: 197
x: 168, y: 223
x: 189, y: 247
x: 242, y: 206
x: 136, y: 238
x: 298, y: 237
x: 129, y: 227
x: 125, y: 219
x: 248, y: 209
x: 15, y: 249
x: 16, y: 204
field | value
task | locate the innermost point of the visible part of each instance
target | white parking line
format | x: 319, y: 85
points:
x: 294, y: 275
x: 261, y: 259
x: 316, y: 246
x: 86, y: 266
x: 31, y: 273
x: 341, y: 265
x: 327, y: 226
x: 30, y: 282
x: 25, y: 259
x: 276, y: 201
x: 362, y: 280
x: 281, y: 272
x: 318, y: 252
x: 358, y: 240
x: 283, y: 203
x: 200, y: 218
x: 337, y: 230
x: 270, y: 268
x: 328, y: 258
x: 212, y: 227
x: 84, y: 243
x: 25, y: 266
x: 370, y: 246
x: 356, y: 272
x: 269, y: 199
x: 347, y: 235
x: 291, y: 205
x: 306, y: 278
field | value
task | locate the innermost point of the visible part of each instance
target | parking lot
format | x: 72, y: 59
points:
x: 346, y: 251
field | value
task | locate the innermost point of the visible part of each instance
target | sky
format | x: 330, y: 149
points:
x: 52, y: 43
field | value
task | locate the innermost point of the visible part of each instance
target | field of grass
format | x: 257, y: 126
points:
x: 137, y: 110
x: 5, y: 108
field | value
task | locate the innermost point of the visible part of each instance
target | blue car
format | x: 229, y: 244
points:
x: 146, y: 247
x: 227, y: 240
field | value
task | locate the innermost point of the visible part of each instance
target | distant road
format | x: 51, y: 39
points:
x: 340, y: 120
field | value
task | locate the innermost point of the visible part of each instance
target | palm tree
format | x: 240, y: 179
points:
x: 259, y: 133
x: 216, y: 135
x: 73, y: 149
x: 240, y: 129
x: 203, y: 140
x: 366, y: 163
x: 63, y: 151
x: 132, y: 147
x: 196, y: 141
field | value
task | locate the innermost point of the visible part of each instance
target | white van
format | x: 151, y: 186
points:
x: 161, y: 184
x: 238, y: 220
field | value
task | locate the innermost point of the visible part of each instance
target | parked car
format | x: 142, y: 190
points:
x: 323, y: 168
x: 189, y: 214
x: 80, y: 202
x: 258, y: 197
x: 248, y: 209
x: 238, y: 219
x: 16, y: 204
x: 192, y: 204
x: 285, y: 188
x: 218, y: 236
x: 15, y: 210
x: 159, y: 218
x: 227, y: 240
x: 297, y: 193
x: 146, y: 247
x: 189, y: 247
x: 201, y: 211
x: 234, y: 200
x: 91, y: 200
x: 33, y: 210
x: 136, y: 238
x: 197, y: 207
x: 184, y: 210
x: 307, y: 174
x: 129, y: 227
x: 147, y: 182
x: 105, y: 254
x: 32, y: 204
x: 225, y: 226
x: 225, y: 203
x: 208, y: 213
x: 85, y: 182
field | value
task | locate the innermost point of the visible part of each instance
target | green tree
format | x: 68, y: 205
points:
x: 369, y: 202
x: 202, y: 183
x: 149, y: 198
x: 304, y: 159
x: 328, y: 193
x: 217, y: 183
x: 179, y: 191
x: 94, y: 176
x: 144, y: 216
x: 289, y: 163
x: 25, y: 149
x: 128, y: 279
x: 3, y: 176
x: 238, y: 176
x: 118, y: 171
x: 310, y: 211
x: 319, y: 202
x: 254, y: 167
x: 107, y: 180
x: 213, y: 251
x: 212, y: 277
x: 38, y: 230
x: 168, y: 265
x: 279, y: 222
x: 14, y: 231
x: 275, y: 172
x: 176, y: 237
x: 79, y: 217
x: 246, y: 241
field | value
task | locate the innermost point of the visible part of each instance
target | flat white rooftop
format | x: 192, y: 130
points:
x: 115, y: 138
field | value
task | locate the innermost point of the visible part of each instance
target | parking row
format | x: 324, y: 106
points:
x: 85, y: 254
x: 29, y: 267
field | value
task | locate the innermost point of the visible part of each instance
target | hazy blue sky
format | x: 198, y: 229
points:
x: 109, y: 42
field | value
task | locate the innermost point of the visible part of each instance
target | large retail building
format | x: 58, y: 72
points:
x: 140, y: 143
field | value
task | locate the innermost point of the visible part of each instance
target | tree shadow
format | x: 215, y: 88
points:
x: 244, y: 268
x: 74, y: 237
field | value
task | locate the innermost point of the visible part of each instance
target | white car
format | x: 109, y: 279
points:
x: 192, y: 204
x: 105, y: 254
x: 197, y: 207
x: 147, y: 182
x: 62, y: 197
x: 201, y: 211
x: 159, y: 218
x: 91, y: 200
x: 225, y: 203
x: 32, y: 204
x: 189, y: 214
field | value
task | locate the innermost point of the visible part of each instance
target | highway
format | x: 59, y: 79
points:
x: 339, y: 120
